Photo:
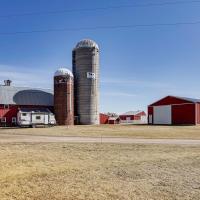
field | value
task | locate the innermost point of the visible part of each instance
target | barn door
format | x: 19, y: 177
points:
x: 162, y: 115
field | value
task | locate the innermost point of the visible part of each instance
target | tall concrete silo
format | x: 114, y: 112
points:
x: 86, y: 81
x: 64, y: 97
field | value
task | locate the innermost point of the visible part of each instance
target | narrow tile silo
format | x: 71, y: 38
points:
x: 86, y: 82
x: 64, y: 97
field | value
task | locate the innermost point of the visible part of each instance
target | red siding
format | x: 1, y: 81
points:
x: 183, y: 114
x: 137, y: 117
x: 9, y: 114
x: 103, y: 118
x: 122, y: 117
x: 111, y: 121
x: 150, y: 110
x: 169, y: 100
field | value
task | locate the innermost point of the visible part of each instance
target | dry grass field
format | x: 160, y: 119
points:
x: 64, y: 171
x: 136, y: 131
x: 99, y: 172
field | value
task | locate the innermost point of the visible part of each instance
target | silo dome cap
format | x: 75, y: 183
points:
x: 87, y: 43
x: 63, y: 72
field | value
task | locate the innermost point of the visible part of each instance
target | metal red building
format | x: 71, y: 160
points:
x: 13, y: 98
x: 133, y: 117
x: 172, y: 110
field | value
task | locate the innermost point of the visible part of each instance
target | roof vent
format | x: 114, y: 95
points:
x: 7, y: 82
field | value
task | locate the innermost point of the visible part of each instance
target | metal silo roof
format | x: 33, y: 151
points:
x: 87, y: 43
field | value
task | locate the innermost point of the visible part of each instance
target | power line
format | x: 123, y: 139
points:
x: 53, y: 12
x: 103, y: 28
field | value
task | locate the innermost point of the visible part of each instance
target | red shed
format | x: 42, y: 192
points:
x: 103, y: 118
x: 172, y: 110
x: 14, y: 98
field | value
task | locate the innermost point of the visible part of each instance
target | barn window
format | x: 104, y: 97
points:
x: 14, y: 120
x: 24, y: 114
x: 38, y: 117
x: 3, y: 119
x: 6, y: 106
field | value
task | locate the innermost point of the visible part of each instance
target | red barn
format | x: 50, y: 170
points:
x: 14, y: 98
x: 173, y: 110
x: 133, y: 117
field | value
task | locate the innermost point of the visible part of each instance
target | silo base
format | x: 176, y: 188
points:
x: 87, y: 120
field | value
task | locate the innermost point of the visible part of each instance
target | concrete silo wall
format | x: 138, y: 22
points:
x: 86, y: 77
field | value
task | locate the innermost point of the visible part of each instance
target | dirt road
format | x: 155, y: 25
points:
x: 8, y: 138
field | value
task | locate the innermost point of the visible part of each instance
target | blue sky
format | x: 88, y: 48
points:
x: 138, y: 65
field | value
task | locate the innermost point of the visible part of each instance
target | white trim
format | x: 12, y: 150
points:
x: 196, y: 114
x: 150, y: 119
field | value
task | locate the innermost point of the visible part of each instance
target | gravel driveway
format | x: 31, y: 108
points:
x: 8, y: 138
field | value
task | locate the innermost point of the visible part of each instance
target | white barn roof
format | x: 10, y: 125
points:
x: 25, y: 96
x: 133, y: 112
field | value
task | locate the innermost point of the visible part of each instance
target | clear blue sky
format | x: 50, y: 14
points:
x: 138, y: 65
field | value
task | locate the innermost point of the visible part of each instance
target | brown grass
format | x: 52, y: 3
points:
x: 136, y: 131
x: 95, y: 171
